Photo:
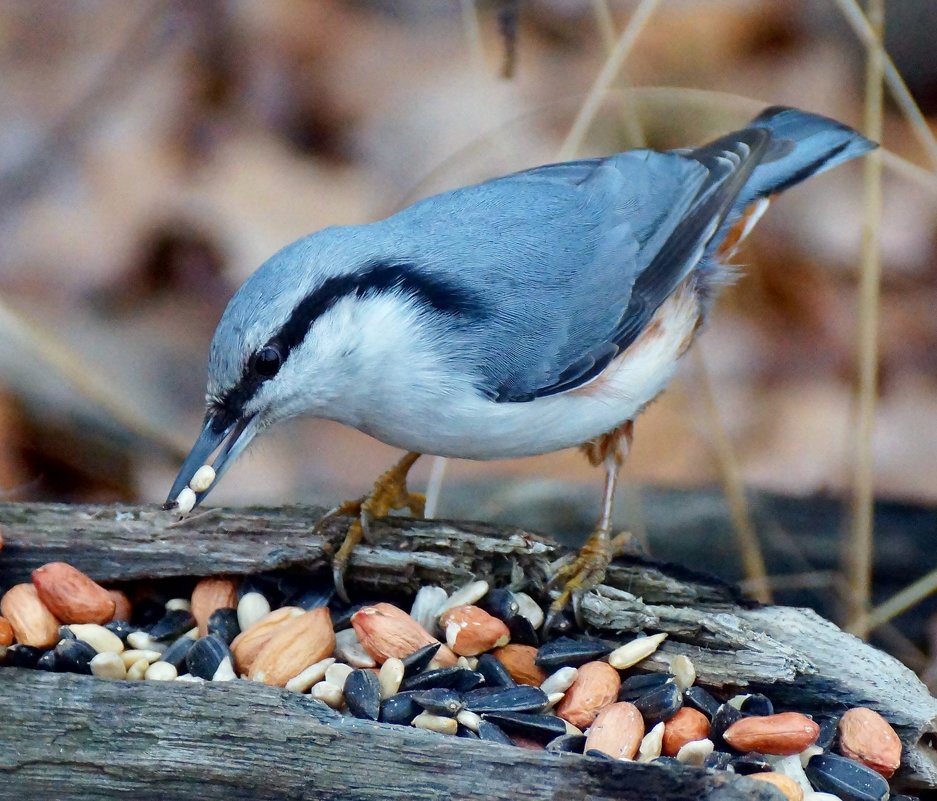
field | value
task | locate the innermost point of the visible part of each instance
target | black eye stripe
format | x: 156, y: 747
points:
x: 434, y: 292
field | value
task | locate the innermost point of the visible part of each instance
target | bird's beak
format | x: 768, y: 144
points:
x: 232, y: 440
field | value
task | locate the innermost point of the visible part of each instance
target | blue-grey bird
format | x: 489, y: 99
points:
x: 538, y: 311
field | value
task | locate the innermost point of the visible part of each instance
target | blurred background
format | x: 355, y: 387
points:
x: 153, y: 153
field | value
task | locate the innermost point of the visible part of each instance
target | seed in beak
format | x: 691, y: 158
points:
x: 185, y: 501
x: 203, y: 478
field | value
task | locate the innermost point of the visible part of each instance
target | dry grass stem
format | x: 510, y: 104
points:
x: 606, y: 76
x: 859, y: 546
x: 869, y: 37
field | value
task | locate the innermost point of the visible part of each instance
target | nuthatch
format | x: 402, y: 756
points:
x: 534, y: 312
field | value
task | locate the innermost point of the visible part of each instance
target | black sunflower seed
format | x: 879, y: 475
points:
x: 829, y: 728
x: 567, y: 744
x: 750, y: 763
x: 849, y: 780
x: 176, y: 653
x: 522, y: 698
x: 660, y: 704
x: 23, y: 656
x: 418, y: 660
x: 523, y: 631
x: 121, y: 628
x: 47, y: 660
x: 635, y: 686
x: 172, y: 625
x: 500, y: 603
x: 451, y: 678
x: 494, y: 673
x: 73, y: 656
x: 541, y: 728
x: 718, y: 760
x: 223, y: 623
x: 400, y: 709
x: 757, y: 705
x: 492, y: 733
x: 725, y: 716
x: 701, y: 700
x: 440, y: 701
x: 566, y: 651
x: 363, y: 694
x: 206, y: 655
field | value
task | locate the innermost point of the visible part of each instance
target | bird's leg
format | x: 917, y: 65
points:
x: 388, y: 494
x: 588, y: 568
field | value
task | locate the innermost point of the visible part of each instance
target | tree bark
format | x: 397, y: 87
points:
x: 793, y: 655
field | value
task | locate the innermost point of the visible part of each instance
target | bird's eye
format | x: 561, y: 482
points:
x: 267, y: 362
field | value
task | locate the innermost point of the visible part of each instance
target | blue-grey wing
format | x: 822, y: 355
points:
x: 554, y: 254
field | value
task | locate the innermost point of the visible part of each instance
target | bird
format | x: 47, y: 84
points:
x: 530, y: 313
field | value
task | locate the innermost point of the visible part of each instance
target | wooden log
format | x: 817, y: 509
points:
x: 84, y: 738
x: 790, y: 654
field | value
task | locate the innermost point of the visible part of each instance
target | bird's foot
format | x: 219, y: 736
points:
x: 389, y: 494
x: 586, y: 571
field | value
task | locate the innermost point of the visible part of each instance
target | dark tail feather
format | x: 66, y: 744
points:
x: 803, y: 145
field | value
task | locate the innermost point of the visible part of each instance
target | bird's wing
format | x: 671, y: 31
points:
x: 572, y: 260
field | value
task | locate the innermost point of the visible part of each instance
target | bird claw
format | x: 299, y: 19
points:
x: 585, y: 572
x: 389, y: 494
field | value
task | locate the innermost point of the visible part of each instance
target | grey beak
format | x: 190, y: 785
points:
x: 232, y: 440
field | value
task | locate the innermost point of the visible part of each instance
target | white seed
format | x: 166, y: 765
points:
x: 190, y: 679
x: 328, y: 693
x: 560, y: 681
x: 142, y: 641
x: 809, y: 753
x: 570, y: 728
x: 821, y: 797
x: 108, y: 665
x: 348, y: 649
x: 303, y: 681
x: 737, y: 700
x: 651, y: 744
x: 635, y: 651
x: 469, y: 662
x: 790, y: 766
x: 101, y: 639
x: 553, y: 699
x: 224, y: 671
x: 471, y: 720
x: 161, y: 671
x: 203, y: 478
x: 137, y: 670
x: 428, y: 602
x: 192, y: 633
x: 337, y: 673
x: 437, y: 723
x: 694, y: 753
x: 134, y: 655
x: 529, y: 608
x: 185, y: 501
x: 684, y: 671
x: 178, y: 604
x: 390, y: 676
x: 471, y: 593
x: 251, y: 608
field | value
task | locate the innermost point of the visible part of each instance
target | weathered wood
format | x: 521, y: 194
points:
x: 791, y: 654
x: 83, y: 738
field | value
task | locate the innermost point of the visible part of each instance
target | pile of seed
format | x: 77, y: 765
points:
x: 471, y: 664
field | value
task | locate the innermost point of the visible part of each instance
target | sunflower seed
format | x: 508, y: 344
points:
x: 427, y: 605
x: 683, y: 670
x: 469, y: 719
x: 108, y: 665
x: 440, y: 701
x: 350, y: 650
x: 506, y: 699
x: 419, y: 659
x: 565, y: 651
x: 470, y: 594
x: 453, y: 678
x: 492, y: 733
x: 400, y: 709
x: 529, y: 608
x: 494, y: 673
x: 846, y: 779
x: 435, y: 723
x: 631, y: 653
x: 97, y: 637
x: 559, y: 681
x: 695, y: 753
x: 223, y: 623
x: 635, y: 686
x: 700, y: 700
x: 651, y: 744
x: 390, y: 676
x: 363, y: 694
x: 206, y: 655
x: 567, y: 744
x: 303, y: 681
x: 251, y: 608
x: 73, y: 656
x: 660, y: 704
x: 757, y: 705
x: 541, y: 728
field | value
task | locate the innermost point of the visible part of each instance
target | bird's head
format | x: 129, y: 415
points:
x: 310, y: 331
x: 275, y: 351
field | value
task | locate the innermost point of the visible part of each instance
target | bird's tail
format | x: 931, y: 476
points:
x: 802, y: 145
